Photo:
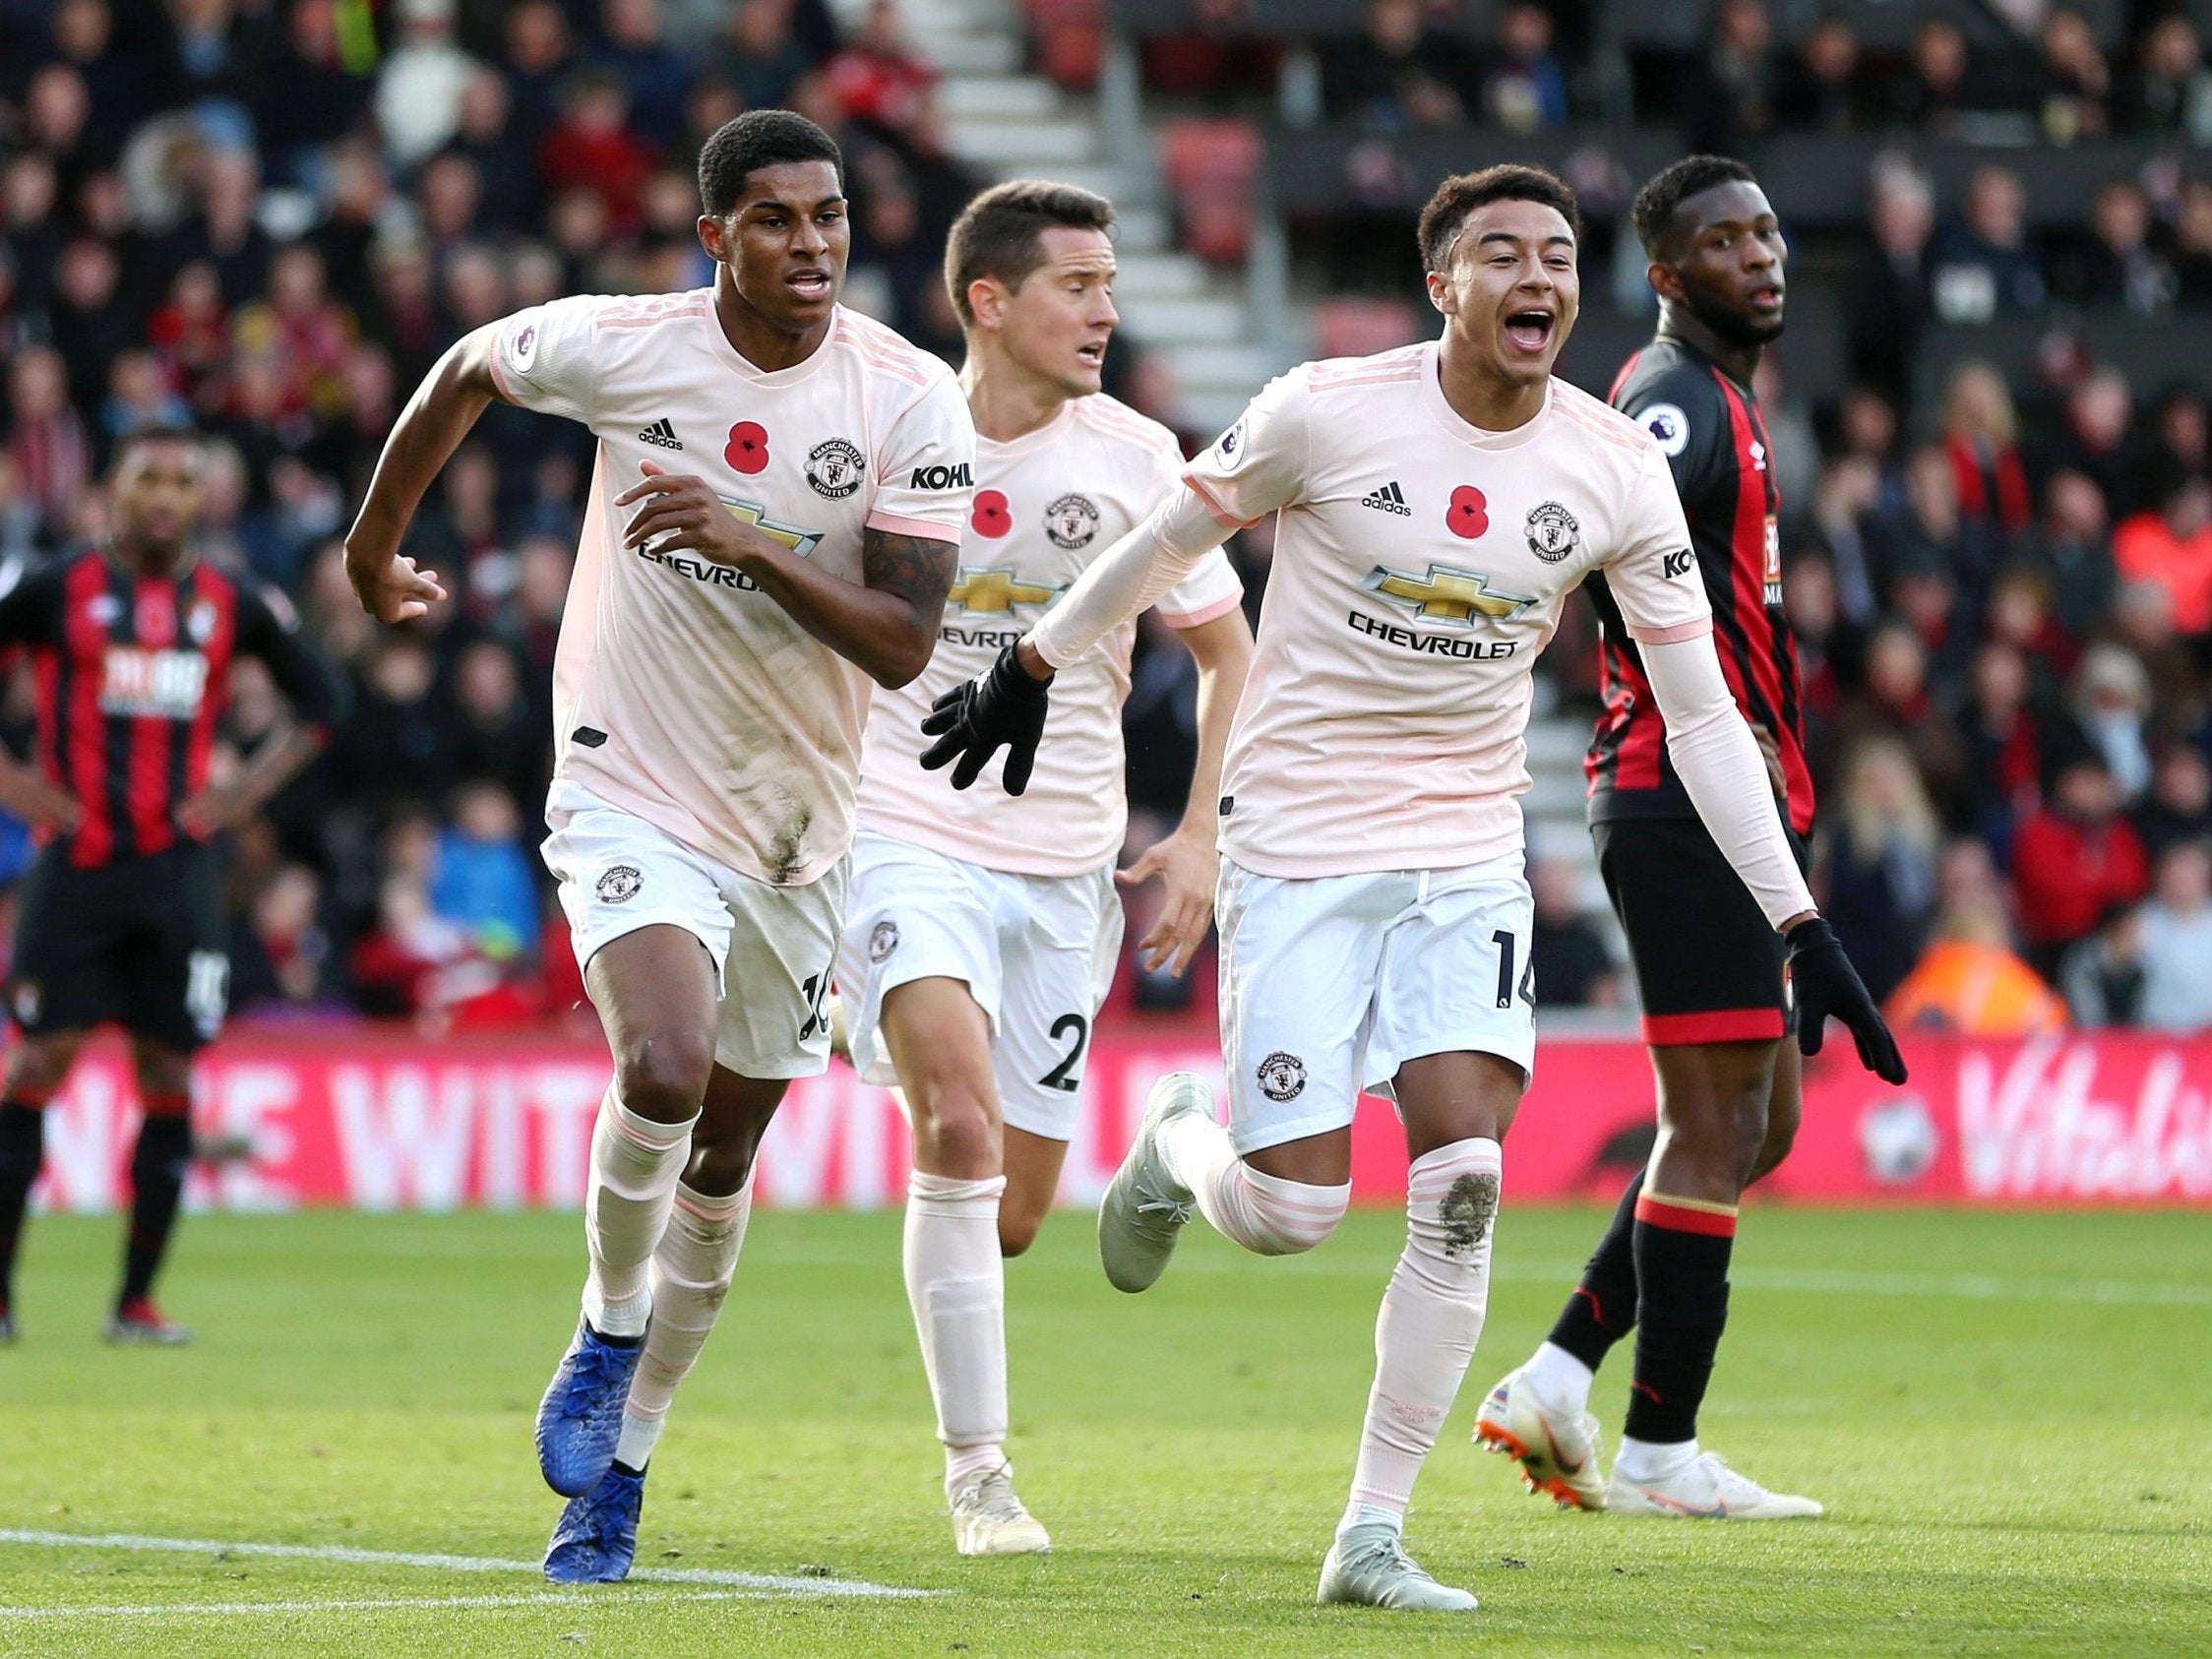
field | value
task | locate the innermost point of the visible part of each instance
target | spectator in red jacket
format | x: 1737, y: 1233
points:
x: 2073, y: 860
x: 1981, y: 436
x: 2172, y: 546
x: 590, y: 147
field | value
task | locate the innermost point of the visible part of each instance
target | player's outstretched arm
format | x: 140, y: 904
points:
x: 1188, y: 861
x: 886, y: 623
x: 1719, y: 764
x: 1005, y: 706
x: 423, y: 439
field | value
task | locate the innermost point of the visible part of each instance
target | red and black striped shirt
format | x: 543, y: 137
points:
x: 133, y: 674
x: 1709, y: 424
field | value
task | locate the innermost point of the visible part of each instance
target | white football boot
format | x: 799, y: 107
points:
x: 1704, y: 1489
x: 1144, y: 1209
x: 1368, y: 1566
x: 988, y: 1520
x: 1556, y: 1450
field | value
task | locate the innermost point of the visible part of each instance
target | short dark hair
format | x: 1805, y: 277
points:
x: 138, y: 438
x: 760, y: 137
x: 1654, y: 212
x: 1460, y: 195
x: 1001, y: 233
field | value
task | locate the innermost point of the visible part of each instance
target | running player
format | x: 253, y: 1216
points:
x: 1715, y: 1002
x: 1437, y: 506
x: 981, y: 936
x: 773, y: 521
x: 122, y: 913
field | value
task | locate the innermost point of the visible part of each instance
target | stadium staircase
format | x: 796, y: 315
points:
x: 1224, y: 333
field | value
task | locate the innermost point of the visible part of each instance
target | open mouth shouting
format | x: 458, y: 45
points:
x: 1530, y: 328
x: 811, y: 284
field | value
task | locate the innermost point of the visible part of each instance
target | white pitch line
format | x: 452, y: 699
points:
x: 377, y: 1603
x: 762, y: 1581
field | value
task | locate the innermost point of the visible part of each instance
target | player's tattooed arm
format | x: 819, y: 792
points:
x: 918, y: 573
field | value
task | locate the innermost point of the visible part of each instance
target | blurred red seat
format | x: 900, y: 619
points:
x: 1360, y: 328
x: 1071, y: 39
x: 1214, y: 171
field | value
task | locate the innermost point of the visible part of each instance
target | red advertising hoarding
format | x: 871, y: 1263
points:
x: 390, y: 1121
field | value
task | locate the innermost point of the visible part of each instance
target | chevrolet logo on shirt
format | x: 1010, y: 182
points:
x: 1446, y: 595
x: 996, y: 591
x: 801, y: 542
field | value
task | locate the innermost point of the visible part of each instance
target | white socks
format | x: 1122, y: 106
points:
x: 955, y: 1283
x: 692, y: 1271
x: 635, y: 1166
x: 1430, y: 1319
x: 1653, y: 1460
x: 1560, y: 1379
x: 1262, y: 1212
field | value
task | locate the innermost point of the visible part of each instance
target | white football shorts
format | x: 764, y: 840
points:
x: 773, y: 947
x: 1333, y: 983
x: 1038, y: 954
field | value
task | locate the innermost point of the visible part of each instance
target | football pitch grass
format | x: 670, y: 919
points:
x: 2009, y: 1417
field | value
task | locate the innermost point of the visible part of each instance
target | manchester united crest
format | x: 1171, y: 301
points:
x: 620, y: 883
x: 1072, y: 521
x: 834, y: 469
x: 1553, y: 534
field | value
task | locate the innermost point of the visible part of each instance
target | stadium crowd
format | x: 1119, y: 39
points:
x: 270, y: 218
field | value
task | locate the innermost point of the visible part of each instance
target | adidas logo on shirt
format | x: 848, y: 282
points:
x: 1390, y: 499
x: 663, y: 434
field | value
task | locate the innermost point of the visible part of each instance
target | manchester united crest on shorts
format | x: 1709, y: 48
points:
x: 882, y: 941
x: 620, y: 883
x: 834, y: 469
x: 1282, y: 1076
x: 1551, y: 532
x: 1072, y: 521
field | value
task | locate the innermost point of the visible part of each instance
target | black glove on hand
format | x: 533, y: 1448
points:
x: 1826, y: 983
x: 1005, y: 706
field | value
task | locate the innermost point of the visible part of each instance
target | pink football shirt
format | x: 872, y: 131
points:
x: 1046, y: 505
x: 681, y: 693
x: 1420, y: 564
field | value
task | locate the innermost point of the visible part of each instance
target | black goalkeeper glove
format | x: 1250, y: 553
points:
x: 1826, y: 983
x: 1003, y: 706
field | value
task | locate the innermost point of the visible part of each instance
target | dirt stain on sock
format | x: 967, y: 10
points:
x: 1468, y: 1212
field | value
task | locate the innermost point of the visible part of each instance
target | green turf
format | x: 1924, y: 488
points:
x: 2005, y: 1414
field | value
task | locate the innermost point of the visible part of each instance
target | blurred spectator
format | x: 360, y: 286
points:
x: 2176, y: 942
x: 1981, y: 435
x: 1936, y: 88
x: 2093, y: 435
x: 1727, y: 96
x: 311, y: 98
x: 2192, y: 247
x: 1398, y: 72
x: 2073, y: 98
x: 2171, y: 547
x: 2171, y: 90
x: 2118, y: 265
x: 1932, y: 543
x: 1567, y: 952
x: 1971, y: 983
x: 2178, y: 441
x: 47, y: 440
x: 416, y: 964
x: 2004, y: 736
x: 483, y: 881
x: 420, y: 89
x: 492, y: 732
x: 761, y: 56
x: 280, y: 955
x: 1888, y: 298
x: 2073, y: 858
x: 1881, y: 867
x: 655, y: 75
x: 877, y: 79
x: 2111, y: 701
x: 2103, y: 976
x: 540, y: 56
x: 1524, y: 86
x: 1984, y: 265
x: 2179, y: 807
x: 1824, y: 88
x: 589, y: 147
x: 86, y: 320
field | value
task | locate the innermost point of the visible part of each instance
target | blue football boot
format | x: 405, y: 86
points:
x: 580, y: 1417
x: 596, y: 1536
